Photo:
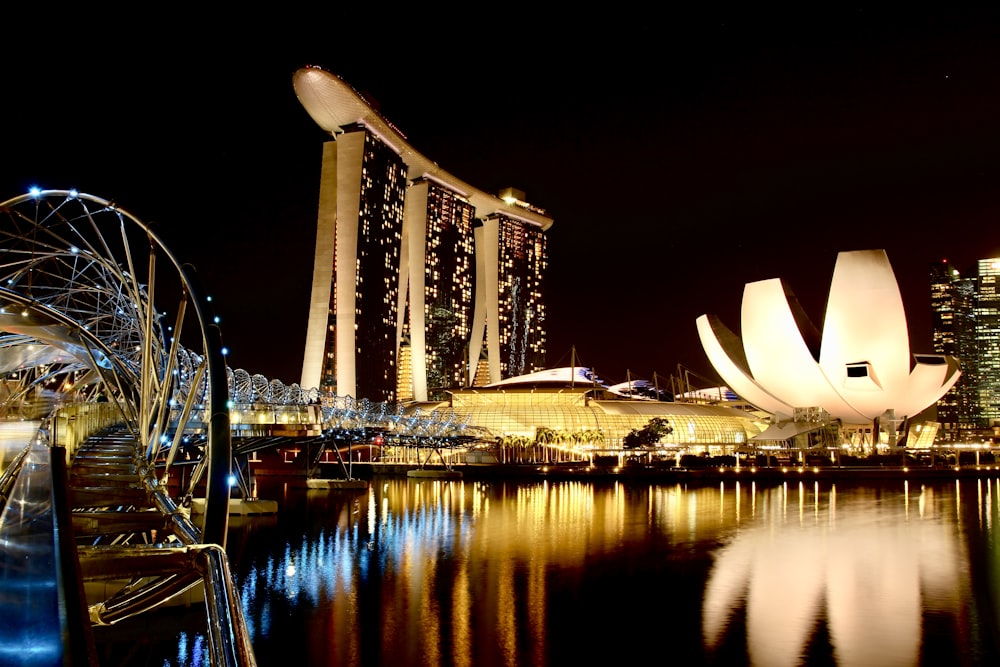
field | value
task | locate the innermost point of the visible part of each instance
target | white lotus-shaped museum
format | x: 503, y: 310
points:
x: 858, y: 370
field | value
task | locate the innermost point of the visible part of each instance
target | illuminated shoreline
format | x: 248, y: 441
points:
x: 710, y: 475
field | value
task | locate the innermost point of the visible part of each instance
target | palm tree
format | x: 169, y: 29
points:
x: 545, y: 437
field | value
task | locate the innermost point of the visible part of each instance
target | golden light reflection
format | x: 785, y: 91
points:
x: 480, y: 573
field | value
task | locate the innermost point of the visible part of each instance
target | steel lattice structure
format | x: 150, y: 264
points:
x: 80, y: 278
x: 82, y: 285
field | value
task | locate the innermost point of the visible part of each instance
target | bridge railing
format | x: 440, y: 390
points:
x: 71, y: 424
x: 39, y: 567
x: 275, y: 414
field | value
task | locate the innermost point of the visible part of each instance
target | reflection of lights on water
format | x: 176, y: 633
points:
x: 486, y: 540
x: 868, y: 577
x: 372, y: 515
x: 192, y: 650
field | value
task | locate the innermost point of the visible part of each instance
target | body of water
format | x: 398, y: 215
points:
x: 500, y: 573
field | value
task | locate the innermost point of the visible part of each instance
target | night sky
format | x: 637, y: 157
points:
x: 681, y: 155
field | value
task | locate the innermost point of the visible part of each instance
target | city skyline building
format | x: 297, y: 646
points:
x: 410, y: 257
x: 514, y: 279
x: 965, y: 309
x: 439, y: 276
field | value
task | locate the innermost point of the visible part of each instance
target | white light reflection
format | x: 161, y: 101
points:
x: 868, y: 575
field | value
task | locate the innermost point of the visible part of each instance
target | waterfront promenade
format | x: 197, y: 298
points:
x: 666, y: 474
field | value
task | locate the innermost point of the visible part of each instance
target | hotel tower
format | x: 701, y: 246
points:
x: 421, y: 283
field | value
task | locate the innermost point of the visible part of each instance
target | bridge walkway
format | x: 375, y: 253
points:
x: 107, y: 338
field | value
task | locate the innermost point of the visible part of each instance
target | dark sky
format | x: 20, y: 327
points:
x: 680, y: 154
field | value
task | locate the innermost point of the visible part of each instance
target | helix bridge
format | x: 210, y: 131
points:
x: 113, y: 378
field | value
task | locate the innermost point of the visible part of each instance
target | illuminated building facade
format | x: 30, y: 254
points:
x: 589, y: 416
x: 407, y: 252
x: 354, y: 304
x: 511, y: 287
x: 858, y: 369
x: 966, y: 323
x: 987, y: 325
x: 438, y: 275
x: 952, y: 302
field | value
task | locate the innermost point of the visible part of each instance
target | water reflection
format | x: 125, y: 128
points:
x: 430, y: 572
x: 869, y: 566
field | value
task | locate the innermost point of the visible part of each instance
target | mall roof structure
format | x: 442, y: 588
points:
x: 572, y: 400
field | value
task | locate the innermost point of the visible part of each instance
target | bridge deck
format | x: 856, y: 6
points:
x: 39, y: 570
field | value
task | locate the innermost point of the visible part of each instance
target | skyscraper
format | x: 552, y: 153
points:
x: 438, y: 274
x: 966, y: 323
x: 408, y: 257
x: 514, y: 279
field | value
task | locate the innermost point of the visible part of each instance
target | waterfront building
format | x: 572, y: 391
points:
x: 857, y: 372
x: 405, y: 251
x: 438, y: 274
x: 353, y: 321
x: 573, y: 410
x: 966, y: 323
x: 509, y: 288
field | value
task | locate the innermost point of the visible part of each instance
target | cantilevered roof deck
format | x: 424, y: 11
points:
x: 334, y: 105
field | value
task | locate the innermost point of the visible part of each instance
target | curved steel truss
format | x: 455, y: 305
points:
x: 80, y: 281
x: 83, y: 290
x: 81, y: 285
